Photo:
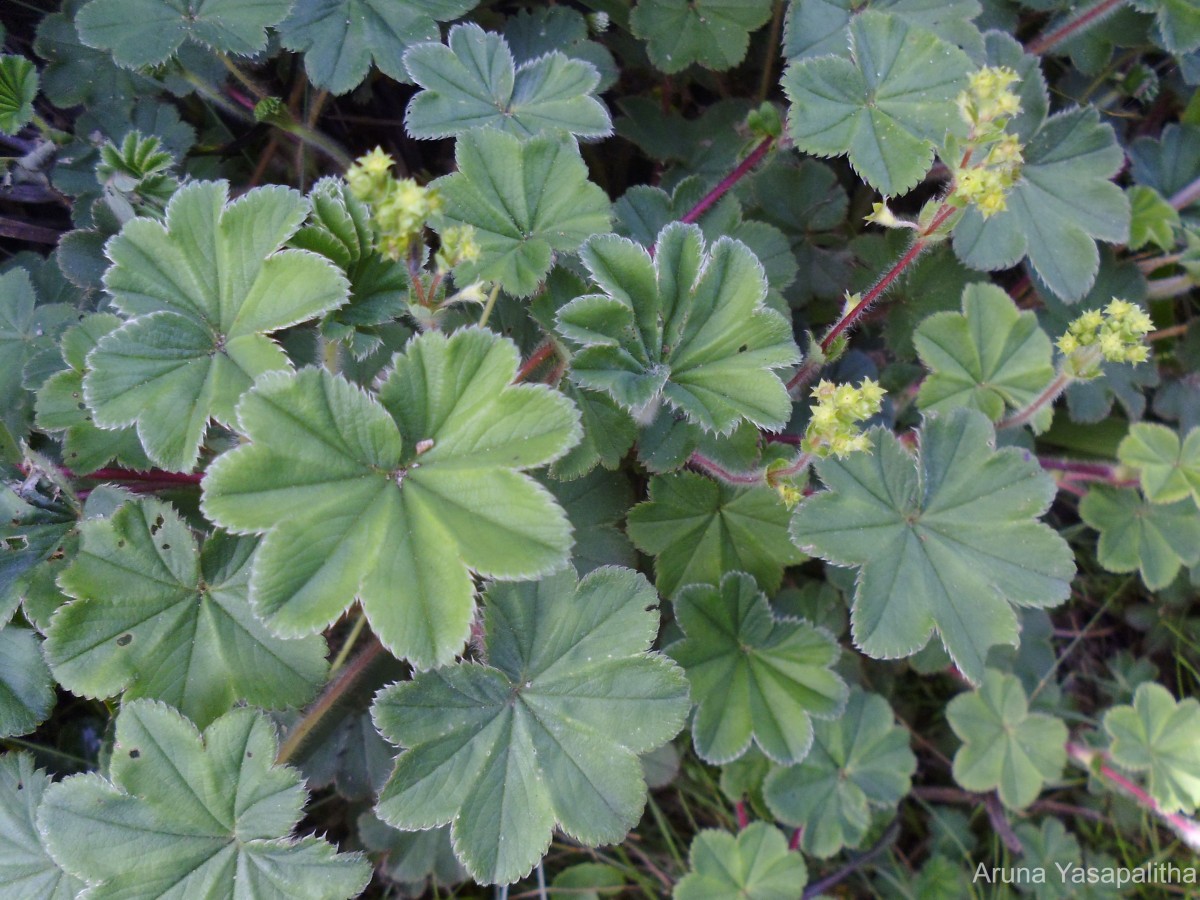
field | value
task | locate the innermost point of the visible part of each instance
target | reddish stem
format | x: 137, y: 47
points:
x: 743, y: 818
x: 726, y: 183
x: 797, y: 835
x: 539, y: 356
x: 702, y: 462
x: 1089, y: 18
x: 153, y: 476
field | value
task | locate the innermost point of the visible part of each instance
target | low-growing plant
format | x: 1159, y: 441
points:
x: 697, y: 448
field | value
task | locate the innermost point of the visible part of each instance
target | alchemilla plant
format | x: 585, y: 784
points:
x: 645, y: 448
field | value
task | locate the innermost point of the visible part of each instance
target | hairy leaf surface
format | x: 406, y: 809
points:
x: 756, y: 864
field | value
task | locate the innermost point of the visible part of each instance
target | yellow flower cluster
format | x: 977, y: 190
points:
x: 833, y: 429
x: 399, y: 206
x: 987, y: 105
x: 989, y: 96
x: 1116, y: 333
x: 458, y: 245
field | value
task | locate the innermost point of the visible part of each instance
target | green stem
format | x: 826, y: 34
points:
x: 491, y: 302
x: 1048, y: 395
x: 1164, y: 288
x: 348, y: 644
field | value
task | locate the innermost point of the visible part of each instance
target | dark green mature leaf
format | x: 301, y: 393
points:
x: 526, y: 199
x: 200, y: 291
x: 948, y: 542
x: 686, y: 326
x: 26, y: 688
x: 1063, y: 202
x: 1005, y: 746
x: 596, y: 505
x: 474, y: 81
x: 886, y: 107
x: 859, y: 761
x: 713, y: 33
x: 1168, y: 469
x: 154, y: 617
x: 26, y: 330
x: 1156, y: 539
x: 818, y: 27
x: 753, y: 675
x: 394, y: 499
x: 201, y: 814
x: 18, y: 87
x: 547, y: 734
x: 1161, y: 737
x: 1170, y: 162
x: 341, y: 39
x: 699, y: 529
x: 531, y: 33
x: 142, y: 33
x: 1178, y: 23
x: 991, y: 357
x: 754, y: 865
x: 26, y: 869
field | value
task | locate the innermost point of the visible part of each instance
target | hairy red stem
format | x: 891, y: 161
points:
x: 726, y: 184
x: 1083, y: 22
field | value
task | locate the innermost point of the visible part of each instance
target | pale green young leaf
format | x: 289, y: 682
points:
x: 200, y: 292
x: 886, y: 107
x: 1160, y: 737
x: 396, y: 499
x: 26, y: 869
x: 26, y: 688
x: 1169, y: 470
x: 1005, y: 748
x: 698, y: 529
x: 753, y: 675
x: 1152, y: 220
x: 1178, y: 23
x: 991, y: 357
x: 201, y: 815
x: 60, y: 406
x: 526, y: 200
x: 818, y: 27
x: 713, y: 33
x: 547, y: 734
x: 142, y: 33
x: 18, y: 87
x: 342, y: 39
x: 687, y: 326
x: 153, y: 616
x: 1062, y: 203
x: 1155, y: 539
x: 474, y: 81
x: 859, y: 761
x: 948, y: 542
x: 756, y: 864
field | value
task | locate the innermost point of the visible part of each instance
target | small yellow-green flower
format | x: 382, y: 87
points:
x: 370, y: 176
x: 399, y: 206
x: 988, y: 96
x: 458, y: 246
x: 834, y: 429
x: 1114, y: 335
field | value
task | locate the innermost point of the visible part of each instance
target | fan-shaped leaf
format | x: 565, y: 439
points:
x: 18, y: 87
x: 26, y: 869
x: 1156, y: 539
x: 713, y: 33
x: 754, y: 865
x: 393, y: 499
x: 1169, y: 469
x: 547, y: 734
x: 1161, y: 737
x: 26, y: 688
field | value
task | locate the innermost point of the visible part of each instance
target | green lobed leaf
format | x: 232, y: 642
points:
x: 473, y: 81
x: 1062, y: 203
x: 547, y: 734
x: 27, y: 329
x: 948, y: 542
x: 754, y: 676
x: 526, y: 199
x: 991, y: 357
x: 1170, y: 162
x: 1159, y: 736
x: 699, y: 529
x: 818, y: 27
x: 202, y: 814
x: 142, y: 33
x: 756, y: 864
x: 531, y: 33
x: 1156, y: 539
x: 713, y: 33
x: 1152, y: 220
x: 26, y: 688
x: 26, y: 869
x: 596, y: 505
x: 1005, y: 747
x: 394, y: 499
x: 687, y: 326
x: 18, y: 88
x: 1168, y: 469
x: 859, y: 761
x: 152, y: 616
x: 886, y: 107
x: 342, y: 39
x: 199, y: 292
x: 1178, y: 23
